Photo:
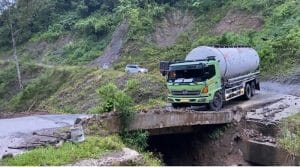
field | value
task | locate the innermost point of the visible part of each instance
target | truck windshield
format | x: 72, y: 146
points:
x: 191, y: 74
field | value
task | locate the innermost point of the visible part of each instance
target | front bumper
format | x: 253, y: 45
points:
x: 194, y: 100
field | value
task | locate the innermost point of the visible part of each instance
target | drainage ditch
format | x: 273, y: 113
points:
x: 206, y: 145
x: 222, y: 145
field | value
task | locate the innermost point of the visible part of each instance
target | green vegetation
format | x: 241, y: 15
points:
x: 91, y: 24
x: 290, y: 134
x: 114, y: 99
x: 137, y: 139
x: 117, y: 101
x: 67, y: 35
x: 8, y: 80
x: 68, y: 153
x: 39, y: 89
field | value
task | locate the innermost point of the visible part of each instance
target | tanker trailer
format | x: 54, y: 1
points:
x: 211, y: 75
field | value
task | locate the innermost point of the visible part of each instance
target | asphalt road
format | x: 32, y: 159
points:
x: 18, y: 131
x: 35, y: 123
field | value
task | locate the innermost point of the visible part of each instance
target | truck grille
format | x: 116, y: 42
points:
x: 185, y: 92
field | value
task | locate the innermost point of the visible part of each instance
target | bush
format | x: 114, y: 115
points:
x: 53, y: 33
x: 137, y: 139
x: 114, y: 99
x: 95, y: 24
x: 80, y: 52
x: 289, y: 137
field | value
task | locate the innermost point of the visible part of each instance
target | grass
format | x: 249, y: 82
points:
x: 152, y: 103
x: 93, y: 147
x: 68, y: 153
x: 289, y: 138
x: 72, y: 89
x: 151, y: 160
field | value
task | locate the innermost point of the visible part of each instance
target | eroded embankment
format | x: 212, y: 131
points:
x: 252, y: 140
x: 207, y: 145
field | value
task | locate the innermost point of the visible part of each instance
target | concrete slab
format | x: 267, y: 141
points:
x: 264, y: 153
x: 158, y: 119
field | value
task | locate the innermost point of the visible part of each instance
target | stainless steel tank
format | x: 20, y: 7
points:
x: 234, y: 62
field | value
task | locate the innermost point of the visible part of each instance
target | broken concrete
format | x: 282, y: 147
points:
x: 266, y: 153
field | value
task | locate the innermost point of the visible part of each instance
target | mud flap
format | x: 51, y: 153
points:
x: 257, y: 86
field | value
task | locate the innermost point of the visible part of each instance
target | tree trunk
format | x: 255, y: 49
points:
x: 13, y: 39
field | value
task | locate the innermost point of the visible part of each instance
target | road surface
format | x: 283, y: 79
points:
x: 17, y: 131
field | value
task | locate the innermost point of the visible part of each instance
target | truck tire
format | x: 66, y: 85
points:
x: 217, y: 102
x: 248, y: 92
x: 253, y: 88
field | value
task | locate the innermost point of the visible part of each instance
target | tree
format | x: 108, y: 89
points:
x: 6, y: 10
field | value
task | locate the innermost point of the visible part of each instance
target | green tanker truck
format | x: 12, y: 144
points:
x: 211, y: 75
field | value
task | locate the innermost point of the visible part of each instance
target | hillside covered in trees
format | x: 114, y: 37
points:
x: 58, y: 44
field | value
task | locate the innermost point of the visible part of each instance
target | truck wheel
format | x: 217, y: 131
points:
x: 248, y: 92
x: 217, y: 102
x: 253, y: 88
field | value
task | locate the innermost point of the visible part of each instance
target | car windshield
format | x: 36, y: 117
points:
x: 188, y: 73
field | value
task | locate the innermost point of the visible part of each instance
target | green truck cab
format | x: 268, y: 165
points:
x: 193, y: 83
x: 207, y: 80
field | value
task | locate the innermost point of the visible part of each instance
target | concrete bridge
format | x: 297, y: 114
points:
x: 167, y: 120
x: 161, y: 121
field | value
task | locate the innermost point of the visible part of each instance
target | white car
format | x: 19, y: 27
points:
x: 134, y: 68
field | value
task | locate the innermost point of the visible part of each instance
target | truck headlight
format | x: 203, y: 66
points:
x: 205, y: 89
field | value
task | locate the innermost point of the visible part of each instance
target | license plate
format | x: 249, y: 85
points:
x: 185, y: 100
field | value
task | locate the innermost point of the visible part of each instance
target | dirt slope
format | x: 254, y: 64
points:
x: 236, y: 21
x: 112, y: 52
x: 172, y: 25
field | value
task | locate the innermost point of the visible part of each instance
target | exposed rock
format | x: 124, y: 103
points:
x: 118, y: 158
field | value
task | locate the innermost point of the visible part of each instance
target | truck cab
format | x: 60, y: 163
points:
x: 211, y: 75
x: 193, y: 82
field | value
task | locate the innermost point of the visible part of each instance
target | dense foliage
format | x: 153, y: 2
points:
x: 92, y: 22
x: 76, y: 32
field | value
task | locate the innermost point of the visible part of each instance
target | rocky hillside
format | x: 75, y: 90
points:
x: 61, y: 44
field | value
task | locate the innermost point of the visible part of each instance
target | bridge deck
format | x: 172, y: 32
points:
x: 156, y: 120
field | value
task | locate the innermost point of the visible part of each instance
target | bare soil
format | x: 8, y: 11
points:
x: 171, y: 27
x: 112, y: 52
x: 39, y: 49
x: 201, y: 147
x: 236, y: 21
